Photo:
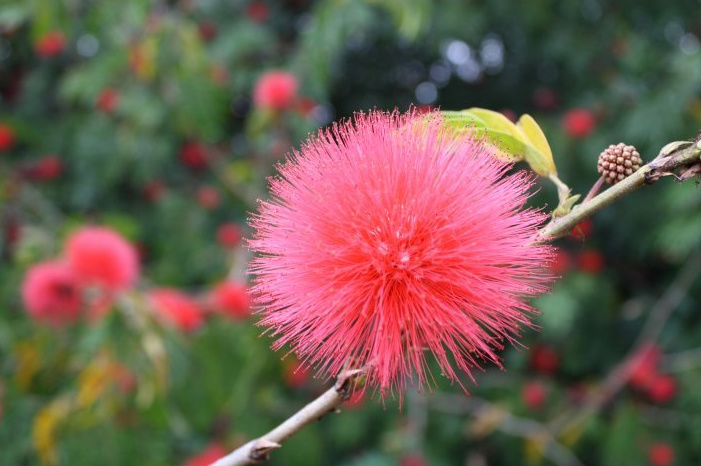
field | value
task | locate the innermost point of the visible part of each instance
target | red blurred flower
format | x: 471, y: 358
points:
x: 534, y: 395
x: 296, y: 375
x: 194, y: 155
x: 545, y: 98
x: 154, y: 190
x: 208, y: 197
x: 662, y: 389
x: 100, y: 256
x: 305, y: 105
x: 208, y: 456
x: 544, y: 360
x: 579, y: 123
x: 231, y: 299
x: 229, y: 235
x: 388, y: 239
x: 47, y: 168
x: 51, y: 293
x: 108, y: 100
x: 661, y: 454
x: 583, y: 229
x: 591, y: 261
x: 7, y: 137
x: 175, y: 308
x: 258, y: 11
x: 644, y: 367
x: 207, y: 30
x: 413, y: 459
x: 50, y: 44
x: 275, y: 90
x: 561, y: 262
x: 510, y: 114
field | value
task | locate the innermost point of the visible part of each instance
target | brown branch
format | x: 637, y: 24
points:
x: 501, y: 419
x: 647, y: 174
x: 259, y: 449
x: 651, y: 331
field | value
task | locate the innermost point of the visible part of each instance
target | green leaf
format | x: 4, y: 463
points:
x: 540, y: 158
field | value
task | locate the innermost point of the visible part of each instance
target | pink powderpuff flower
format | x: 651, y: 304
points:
x: 175, y: 308
x: 102, y: 257
x: 52, y: 294
x: 231, y: 299
x: 388, y: 238
x: 275, y: 90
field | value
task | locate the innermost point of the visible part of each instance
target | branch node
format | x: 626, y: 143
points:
x: 261, y: 448
x: 344, y: 382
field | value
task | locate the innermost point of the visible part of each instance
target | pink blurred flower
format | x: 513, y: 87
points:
x: 100, y: 256
x: 387, y: 239
x: 175, y: 308
x: 276, y: 90
x: 52, y: 294
x: 208, y: 456
x: 231, y: 299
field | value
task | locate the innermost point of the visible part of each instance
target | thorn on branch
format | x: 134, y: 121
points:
x: 260, y: 451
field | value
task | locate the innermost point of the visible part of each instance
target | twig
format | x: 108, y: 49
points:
x: 651, y: 331
x: 507, y: 423
x: 258, y: 450
x: 683, y: 360
x: 647, y: 174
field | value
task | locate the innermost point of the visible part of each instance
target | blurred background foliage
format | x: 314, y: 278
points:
x: 138, y: 115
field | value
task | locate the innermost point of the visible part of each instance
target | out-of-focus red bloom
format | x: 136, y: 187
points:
x: 661, y: 454
x: 545, y: 99
x: 108, y: 100
x: 208, y: 456
x: 208, y: 30
x: 561, y: 262
x: 100, y: 256
x: 388, y: 239
x: 275, y: 90
x: 229, y: 235
x: 231, y: 299
x: 7, y: 137
x: 305, y: 105
x: 544, y: 360
x: 258, y: 11
x: 154, y: 190
x: 51, y: 293
x: 662, y: 389
x: 583, y: 229
x: 208, y: 197
x: 296, y: 375
x: 413, y: 459
x: 579, y: 123
x: 534, y: 395
x: 644, y: 367
x: 50, y: 44
x: 591, y: 261
x: 194, y: 155
x: 47, y: 168
x: 175, y: 308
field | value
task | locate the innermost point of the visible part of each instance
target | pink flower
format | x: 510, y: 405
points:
x: 51, y: 293
x: 100, y: 256
x: 275, y: 90
x: 387, y: 239
x: 231, y: 298
x: 208, y: 456
x: 7, y: 137
x: 175, y: 308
